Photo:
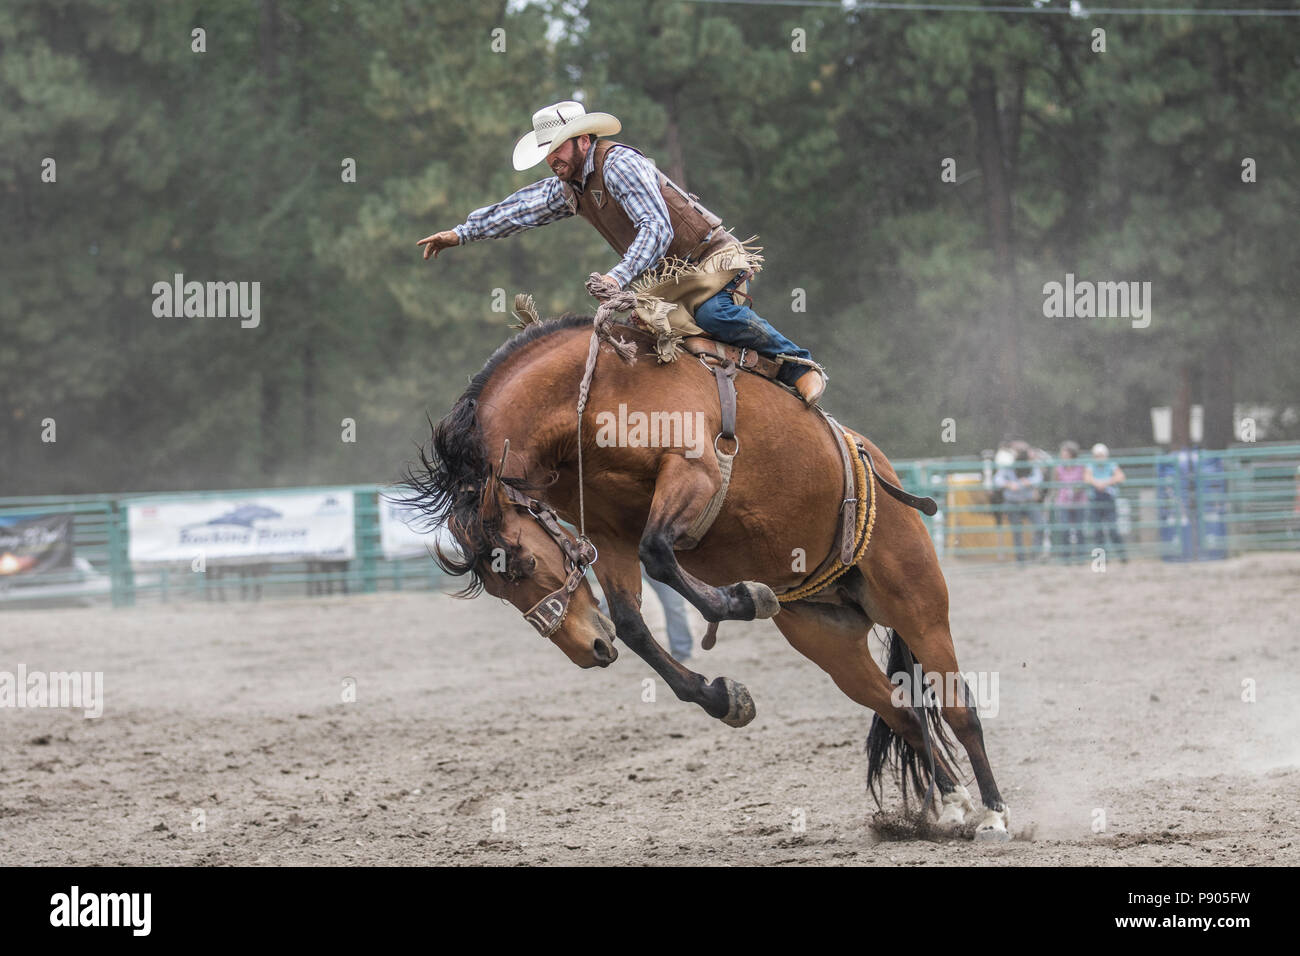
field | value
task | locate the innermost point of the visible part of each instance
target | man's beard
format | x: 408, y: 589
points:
x: 572, y: 170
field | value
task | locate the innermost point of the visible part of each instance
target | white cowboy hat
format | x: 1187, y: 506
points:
x: 554, y: 124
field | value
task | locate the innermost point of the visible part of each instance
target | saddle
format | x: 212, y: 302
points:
x: 747, y: 360
x: 724, y: 361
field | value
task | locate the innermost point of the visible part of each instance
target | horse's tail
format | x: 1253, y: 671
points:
x: 885, y: 748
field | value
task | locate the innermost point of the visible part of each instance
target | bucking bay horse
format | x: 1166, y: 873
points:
x: 515, y: 456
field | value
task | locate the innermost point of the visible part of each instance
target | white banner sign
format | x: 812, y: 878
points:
x: 400, y: 534
x: 315, y: 526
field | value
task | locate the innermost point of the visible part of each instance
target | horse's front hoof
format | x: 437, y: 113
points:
x: 765, y: 603
x: 740, y: 709
x: 993, y: 828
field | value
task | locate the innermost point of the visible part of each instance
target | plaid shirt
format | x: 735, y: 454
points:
x: 633, y: 184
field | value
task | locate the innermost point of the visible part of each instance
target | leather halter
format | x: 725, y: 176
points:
x: 579, y: 554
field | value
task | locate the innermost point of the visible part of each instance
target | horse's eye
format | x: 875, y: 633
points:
x: 519, y: 568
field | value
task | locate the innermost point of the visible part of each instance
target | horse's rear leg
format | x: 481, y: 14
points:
x: 682, y: 489
x: 902, y: 587
x: 924, y: 629
x: 934, y: 651
x: 837, y: 639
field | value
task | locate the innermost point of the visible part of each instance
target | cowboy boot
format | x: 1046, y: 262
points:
x: 810, y: 386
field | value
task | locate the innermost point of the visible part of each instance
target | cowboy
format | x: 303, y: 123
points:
x: 693, y: 273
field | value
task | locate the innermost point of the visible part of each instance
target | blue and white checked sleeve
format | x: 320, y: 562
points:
x: 634, y: 185
x: 532, y: 206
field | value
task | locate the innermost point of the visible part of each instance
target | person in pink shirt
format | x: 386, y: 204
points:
x: 1069, y: 504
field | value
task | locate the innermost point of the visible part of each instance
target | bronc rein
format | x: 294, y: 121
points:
x: 579, y: 553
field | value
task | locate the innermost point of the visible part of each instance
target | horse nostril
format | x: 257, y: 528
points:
x: 603, y: 651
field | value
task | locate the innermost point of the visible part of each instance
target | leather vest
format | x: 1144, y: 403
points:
x: 696, y: 231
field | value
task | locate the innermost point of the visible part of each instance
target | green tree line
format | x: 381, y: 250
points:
x: 915, y: 178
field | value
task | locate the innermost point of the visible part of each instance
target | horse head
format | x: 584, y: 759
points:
x: 511, y: 544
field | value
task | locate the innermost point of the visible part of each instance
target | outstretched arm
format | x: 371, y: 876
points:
x: 534, y: 205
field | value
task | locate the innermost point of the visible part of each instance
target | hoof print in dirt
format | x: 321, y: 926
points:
x: 898, y: 826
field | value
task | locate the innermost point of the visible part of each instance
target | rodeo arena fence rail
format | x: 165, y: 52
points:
x: 124, y: 549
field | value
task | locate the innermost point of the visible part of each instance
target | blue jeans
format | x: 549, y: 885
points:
x: 675, y: 621
x: 679, y: 630
x: 740, y: 325
x: 1105, y: 522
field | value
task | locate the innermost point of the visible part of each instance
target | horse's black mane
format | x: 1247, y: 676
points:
x: 538, y: 330
x: 448, y: 484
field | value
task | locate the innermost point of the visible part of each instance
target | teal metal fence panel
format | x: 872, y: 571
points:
x: 104, y: 573
x: 1174, y: 506
x: 1171, y: 507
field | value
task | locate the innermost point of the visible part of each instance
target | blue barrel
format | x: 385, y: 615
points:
x: 1211, y: 509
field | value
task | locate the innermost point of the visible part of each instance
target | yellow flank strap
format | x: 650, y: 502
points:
x: 862, y: 533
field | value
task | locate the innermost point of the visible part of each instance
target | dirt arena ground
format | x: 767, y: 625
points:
x: 473, y: 741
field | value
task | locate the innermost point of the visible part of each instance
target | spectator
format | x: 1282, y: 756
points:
x: 680, y: 642
x: 1070, y: 501
x: 1003, y: 458
x: 679, y: 630
x: 1019, y: 480
x: 1105, y: 476
x: 1043, y: 512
